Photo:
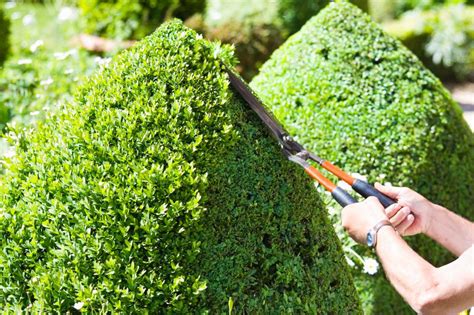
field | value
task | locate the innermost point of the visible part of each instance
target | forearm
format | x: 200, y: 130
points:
x: 409, y: 273
x: 450, y: 230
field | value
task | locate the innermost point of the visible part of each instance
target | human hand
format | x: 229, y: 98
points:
x: 411, y: 214
x: 402, y: 219
x: 359, y: 218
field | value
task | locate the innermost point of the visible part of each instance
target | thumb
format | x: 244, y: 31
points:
x: 392, y: 192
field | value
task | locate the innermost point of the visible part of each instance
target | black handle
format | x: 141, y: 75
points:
x: 366, y: 190
x: 342, y: 197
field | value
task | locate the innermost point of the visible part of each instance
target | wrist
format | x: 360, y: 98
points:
x: 429, y: 210
x: 371, y: 238
x: 385, y: 234
x: 433, y: 215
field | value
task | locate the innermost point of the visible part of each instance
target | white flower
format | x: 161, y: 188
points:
x: 78, y: 305
x: 35, y: 113
x: 24, y: 61
x: 28, y: 19
x: 371, y: 266
x: 67, y: 13
x: 46, y: 82
x: 34, y: 47
x: 69, y: 71
x: 199, y: 36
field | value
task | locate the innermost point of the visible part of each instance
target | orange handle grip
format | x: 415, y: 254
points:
x: 315, y: 174
x: 338, y: 172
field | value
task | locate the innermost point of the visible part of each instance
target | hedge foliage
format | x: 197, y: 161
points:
x: 4, y: 37
x: 158, y: 190
x: 133, y: 19
x: 360, y: 99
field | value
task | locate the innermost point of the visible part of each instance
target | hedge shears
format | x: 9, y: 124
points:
x: 296, y: 153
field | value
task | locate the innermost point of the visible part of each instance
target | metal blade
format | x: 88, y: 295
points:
x: 290, y: 147
x: 268, y: 119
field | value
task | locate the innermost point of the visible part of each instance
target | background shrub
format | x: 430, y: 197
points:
x: 442, y: 37
x: 256, y: 28
x: 157, y: 189
x: 125, y: 19
x: 4, y: 35
x: 362, y: 100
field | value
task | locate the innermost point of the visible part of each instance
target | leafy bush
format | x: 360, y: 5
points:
x: 125, y: 19
x: 256, y: 28
x: 158, y: 190
x: 362, y: 100
x: 4, y: 35
x: 443, y: 38
x: 385, y: 10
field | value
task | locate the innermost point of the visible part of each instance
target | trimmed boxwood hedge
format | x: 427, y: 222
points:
x: 4, y: 35
x: 360, y: 99
x: 133, y: 19
x: 158, y: 190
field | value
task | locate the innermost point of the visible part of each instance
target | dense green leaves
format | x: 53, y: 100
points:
x: 133, y: 19
x: 158, y: 190
x: 362, y: 100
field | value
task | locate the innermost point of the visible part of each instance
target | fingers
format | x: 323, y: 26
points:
x: 391, y: 210
x: 402, y: 227
x: 399, y: 216
x: 373, y: 201
x: 392, y: 192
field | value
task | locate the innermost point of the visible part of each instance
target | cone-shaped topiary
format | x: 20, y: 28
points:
x: 4, y: 34
x: 360, y: 99
x: 159, y: 190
